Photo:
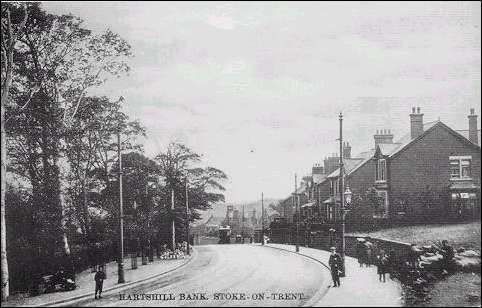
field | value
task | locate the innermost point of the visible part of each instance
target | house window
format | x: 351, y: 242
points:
x: 383, y: 197
x: 460, y: 167
x: 381, y: 170
x: 330, y: 212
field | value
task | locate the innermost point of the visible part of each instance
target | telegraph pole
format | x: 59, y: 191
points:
x: 187, y: 220
x: 120, y: 264
x: 297, y: 216
x: 342, y: 195
x: 242, y: 225
x: 262, y: 218
x: 173, y: 222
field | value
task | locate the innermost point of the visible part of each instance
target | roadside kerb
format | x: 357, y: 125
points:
x: 119, y: 287
x: 324, y: 287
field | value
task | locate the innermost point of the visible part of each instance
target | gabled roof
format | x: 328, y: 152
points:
x: 406, y: 140
x: 351, y: 165
x: 393, y: 149
x: 465, y: 133
x: 348, y: 165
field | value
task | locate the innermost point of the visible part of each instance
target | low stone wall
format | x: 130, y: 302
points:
x: 398, y: 250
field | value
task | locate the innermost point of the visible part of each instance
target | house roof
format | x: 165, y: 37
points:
x: 348, y: 165
x: 392, y: 149
x: 465, y: 133
x: 406, y: 140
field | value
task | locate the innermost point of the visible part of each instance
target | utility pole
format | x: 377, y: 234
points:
x: 187, y: 220
x: 120, y: 264
x: 262, y: 218
x: 342, y: 196
x: 173, y: 222
x: 297, y: 215
x: 242, y: 225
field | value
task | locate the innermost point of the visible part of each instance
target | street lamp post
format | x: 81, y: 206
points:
x: 188, y: 250
x: 297, y: 216
x: 342, y: 197
x: 345, y: 196
x: 120, y: 264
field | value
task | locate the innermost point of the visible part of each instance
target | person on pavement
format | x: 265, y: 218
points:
x: 99, y: 281
x: 382, y: 264
x: 335, y: 263
x: 360, y: 251
x: 368, y: 252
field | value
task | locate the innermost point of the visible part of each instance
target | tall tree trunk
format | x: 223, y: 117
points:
x: 4, y: 272
x: 5, y: 90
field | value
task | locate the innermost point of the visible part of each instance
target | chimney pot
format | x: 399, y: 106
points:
x: 473, y: 133
x: 413, y: 109
x: 416, y: 123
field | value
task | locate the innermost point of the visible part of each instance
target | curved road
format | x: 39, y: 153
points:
x: 241, y: 274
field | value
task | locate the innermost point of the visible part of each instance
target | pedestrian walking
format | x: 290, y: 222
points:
x: 99, y: 281
x: 360, y: 251
x: 335, y: 263
x: 368, y: 252
x: 391, y: 264
x: 382, y: 264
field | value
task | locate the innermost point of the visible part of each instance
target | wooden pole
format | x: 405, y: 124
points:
x: 187, y: 220
x: 173, y: 222
x: 297, y: 215
x: 262, y: 219
x: 120, y: 264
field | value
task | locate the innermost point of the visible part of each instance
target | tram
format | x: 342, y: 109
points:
x: 224, y: 234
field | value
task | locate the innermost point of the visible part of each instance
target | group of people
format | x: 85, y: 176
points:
x: 368, y: 255
x: 387, y: 263
x: 179, y: 252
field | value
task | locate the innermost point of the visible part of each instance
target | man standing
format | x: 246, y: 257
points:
x: 335, y: 263
x: 99, y: 281
x: 448, y: 254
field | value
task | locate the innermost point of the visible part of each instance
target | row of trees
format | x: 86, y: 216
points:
x: 60, y: 148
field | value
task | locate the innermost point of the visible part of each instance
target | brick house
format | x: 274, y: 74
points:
x: 432, y: 173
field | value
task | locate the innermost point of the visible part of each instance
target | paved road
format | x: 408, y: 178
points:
x: 246, y: 272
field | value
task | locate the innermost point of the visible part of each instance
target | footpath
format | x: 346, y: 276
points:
x: 86, y: 285
x: 360, y: 287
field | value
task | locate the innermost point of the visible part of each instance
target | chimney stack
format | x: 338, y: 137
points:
x: 416, y: 123
x: 473, y: 137
x: 383, y: 136
x: 317, y: 173
x: 346, y: 150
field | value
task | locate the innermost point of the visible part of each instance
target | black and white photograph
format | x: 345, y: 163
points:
x: 240, y: 154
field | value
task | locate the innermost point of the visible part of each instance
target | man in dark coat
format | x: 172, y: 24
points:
x: 99, y: 281
x: 336, y: 264
x: 448, y: 254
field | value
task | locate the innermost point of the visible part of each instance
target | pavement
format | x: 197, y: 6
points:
x: 360, y: 287
x: 232, y: 275
x: 85, y: 282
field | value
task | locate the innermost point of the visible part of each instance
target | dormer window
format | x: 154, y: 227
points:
x: 381, y: 170
x: 460, y: 167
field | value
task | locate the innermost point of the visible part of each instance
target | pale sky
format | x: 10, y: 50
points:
x: 257, y: 87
